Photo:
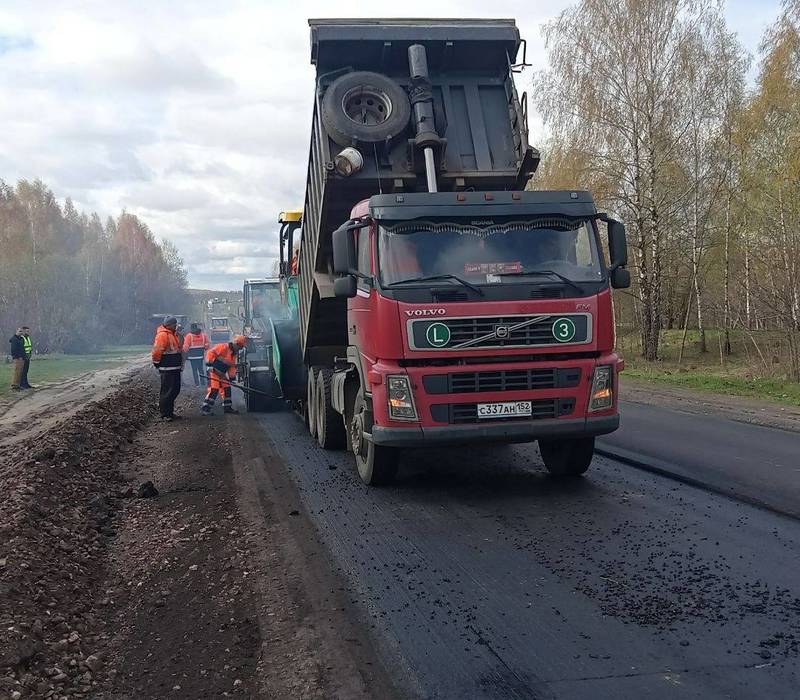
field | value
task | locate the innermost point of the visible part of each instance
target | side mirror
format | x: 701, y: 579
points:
x: 345, y: 286
x: 617, y: 244
x: 620, y: 278
x: 344, y: 250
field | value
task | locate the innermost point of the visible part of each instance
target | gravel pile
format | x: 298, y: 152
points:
x: 59, y: 494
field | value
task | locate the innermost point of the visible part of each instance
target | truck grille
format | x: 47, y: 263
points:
x: 501, y: 380
x: 445, y: 333
x: 468, y: 412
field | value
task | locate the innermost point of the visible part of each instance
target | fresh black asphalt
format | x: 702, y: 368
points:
x: 484, y: 578
x: 743, y: 460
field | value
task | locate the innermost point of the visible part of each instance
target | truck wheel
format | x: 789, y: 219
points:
x: 311, y: 401
x: 377, y: 466
x: 364, y: 107
x: 567, y: 457
x: 330, y: 428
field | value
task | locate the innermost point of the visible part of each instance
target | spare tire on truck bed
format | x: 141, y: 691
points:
x: 364, y: 107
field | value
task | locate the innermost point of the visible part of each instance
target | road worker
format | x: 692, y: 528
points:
x: 18, y: 355
x: 195, y: 346
x: 28, y: 346
x: 167, y: 358
x: 221, y: 365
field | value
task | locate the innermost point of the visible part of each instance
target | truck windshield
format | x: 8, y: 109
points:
x: 490, y: 254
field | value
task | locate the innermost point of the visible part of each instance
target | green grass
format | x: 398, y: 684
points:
x: 744, y: 373
x: 761, y: 388
x: 56, y: 367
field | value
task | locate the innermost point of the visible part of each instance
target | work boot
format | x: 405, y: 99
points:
x: 232, y: 410
x: 205, y: 411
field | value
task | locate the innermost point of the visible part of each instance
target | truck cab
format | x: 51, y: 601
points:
x: 481, y: 320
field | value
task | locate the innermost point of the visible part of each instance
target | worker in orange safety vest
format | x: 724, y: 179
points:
x: 167, y: 358
x: 195, y: 345
x: 221, y: 365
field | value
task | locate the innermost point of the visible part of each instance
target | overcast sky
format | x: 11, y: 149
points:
x: 195, y: 114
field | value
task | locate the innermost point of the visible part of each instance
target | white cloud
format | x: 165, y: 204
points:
x: 194, y: 114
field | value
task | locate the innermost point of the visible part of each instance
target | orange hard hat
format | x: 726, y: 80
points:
x: 240, y: 340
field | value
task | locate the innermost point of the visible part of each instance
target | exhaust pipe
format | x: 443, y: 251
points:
x: 422, y: 103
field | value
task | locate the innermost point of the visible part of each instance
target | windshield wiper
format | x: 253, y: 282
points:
x: 565, y: 280
x: 430, y: 278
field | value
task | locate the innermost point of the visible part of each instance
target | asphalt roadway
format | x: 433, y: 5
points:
x: 650, y: 577
x: 757, y: 464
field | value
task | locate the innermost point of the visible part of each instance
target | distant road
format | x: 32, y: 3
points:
x: 750, y: 462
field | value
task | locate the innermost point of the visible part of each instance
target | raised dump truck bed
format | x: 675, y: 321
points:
x: 373, y: 119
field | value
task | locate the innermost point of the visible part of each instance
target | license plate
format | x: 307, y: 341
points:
x: 506, y: 409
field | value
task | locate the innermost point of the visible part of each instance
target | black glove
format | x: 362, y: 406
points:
x: 221, y: 366
x: 157, y: 365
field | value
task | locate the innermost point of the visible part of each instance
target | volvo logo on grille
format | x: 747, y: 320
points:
x: 501, y: 331
x: 426, y: 312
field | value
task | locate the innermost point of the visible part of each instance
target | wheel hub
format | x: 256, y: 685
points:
x: 357, y: 434
x: 367, y: 105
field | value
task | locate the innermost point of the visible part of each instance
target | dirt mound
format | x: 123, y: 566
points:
x: 60, y: 491
x: 205, y: 581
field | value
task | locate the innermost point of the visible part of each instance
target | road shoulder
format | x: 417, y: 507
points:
x: 216, y: 586
x: 741, y: 409
x: 34, y: 412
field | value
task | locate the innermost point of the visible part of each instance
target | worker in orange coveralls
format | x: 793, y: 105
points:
x: 221, y: 365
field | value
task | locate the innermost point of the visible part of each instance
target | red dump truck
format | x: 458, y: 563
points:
x: 440, y: 303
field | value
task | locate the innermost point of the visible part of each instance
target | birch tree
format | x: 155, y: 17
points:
x: 615, y: 90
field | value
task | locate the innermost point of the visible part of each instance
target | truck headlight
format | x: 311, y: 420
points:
x: 602, y: 395
x: 401, y: 400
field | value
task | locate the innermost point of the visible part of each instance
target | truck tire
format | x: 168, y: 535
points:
x: 330, y: 427
x: 377, y: 465
x: 311, y: 401
x: 364, y: 108
x: 565, y: 458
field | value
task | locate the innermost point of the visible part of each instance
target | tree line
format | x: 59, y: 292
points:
x: 78, y: 282
x: 647, y: 104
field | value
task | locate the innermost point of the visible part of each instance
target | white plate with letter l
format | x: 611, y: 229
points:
x: 506, y: 409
